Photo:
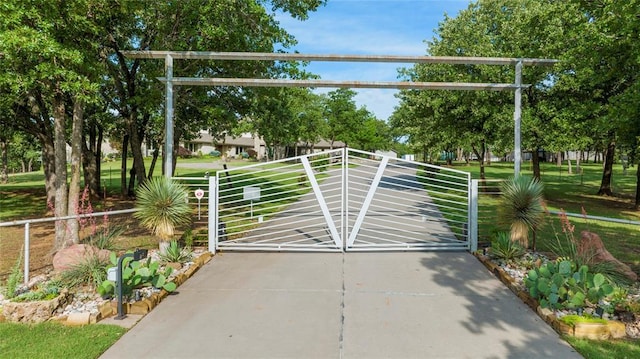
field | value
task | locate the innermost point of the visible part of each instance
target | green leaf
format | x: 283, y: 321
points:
x: 598, y: 280
x: 170, y: 287
x: 564, y: 268
x: 578, y: 299
x: 158, y: 281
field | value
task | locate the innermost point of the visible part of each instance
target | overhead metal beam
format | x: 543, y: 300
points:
x: 469, y: 86
x: 169, y: 80
x: 267, y: 56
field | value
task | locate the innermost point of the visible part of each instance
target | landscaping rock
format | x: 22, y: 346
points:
x: 35, y: 312
x: 78, y: 318
x: 590, y: 245
x: 68, y: 257
x: 617, y: 329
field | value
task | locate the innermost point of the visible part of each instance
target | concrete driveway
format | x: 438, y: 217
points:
x: 353, y: 305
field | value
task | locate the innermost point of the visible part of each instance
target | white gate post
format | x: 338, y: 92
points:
x: 213, y: 215
x: 473, y: 216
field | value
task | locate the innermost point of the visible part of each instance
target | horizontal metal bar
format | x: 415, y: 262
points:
x: 403, y: 85
x: 53, y: 219
x: 267, y: 56
x: 598, y: 218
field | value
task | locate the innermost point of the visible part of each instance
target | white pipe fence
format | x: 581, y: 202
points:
x: 27, y: 229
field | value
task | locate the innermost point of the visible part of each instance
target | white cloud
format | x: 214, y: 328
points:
x: 373, y: 27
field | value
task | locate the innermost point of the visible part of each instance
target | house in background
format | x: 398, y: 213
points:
x: 228, y: 145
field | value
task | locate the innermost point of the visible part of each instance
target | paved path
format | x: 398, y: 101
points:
x: 331, y: 305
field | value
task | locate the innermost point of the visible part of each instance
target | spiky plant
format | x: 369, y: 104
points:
x: 162, y: 206
x: 521, y: 207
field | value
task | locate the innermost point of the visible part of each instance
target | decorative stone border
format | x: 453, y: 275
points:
x: 35, y: 311
x: 144, y: 306
x: 598, y: 331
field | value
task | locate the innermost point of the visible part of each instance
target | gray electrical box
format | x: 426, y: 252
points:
x: 112, y: 273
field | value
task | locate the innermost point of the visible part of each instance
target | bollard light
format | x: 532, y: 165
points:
x: 137, y: 255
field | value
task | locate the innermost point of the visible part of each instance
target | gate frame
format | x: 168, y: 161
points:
x: 346, y: 236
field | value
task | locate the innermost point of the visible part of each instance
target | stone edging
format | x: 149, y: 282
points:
x: 141, y: 307
x: 599, y: 331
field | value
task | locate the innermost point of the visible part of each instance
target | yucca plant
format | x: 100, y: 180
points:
x: 521, y: 207
x: 162, y: 206
x: 502, y: 247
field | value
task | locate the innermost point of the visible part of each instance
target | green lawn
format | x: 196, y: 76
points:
x: 603, y: 349
x: 52, y: 340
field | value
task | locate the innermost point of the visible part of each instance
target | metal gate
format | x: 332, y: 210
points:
x: 341, y: 200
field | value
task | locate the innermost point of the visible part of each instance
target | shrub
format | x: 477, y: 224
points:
x: 503, y: 248
x: 176, y: 254
x: 521, y: 207
x: 252, y: 153
x: 105, y: 239
x: 47, y: 293
x: 215, y: 153
x: 136, y: 274
x: 15, y: 278
x: 558, y: 284
x: 565, y: 246
x: 161, y: 206
x: 90, y: 271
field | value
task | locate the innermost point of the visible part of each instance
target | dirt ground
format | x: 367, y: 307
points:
x: 41, y: 241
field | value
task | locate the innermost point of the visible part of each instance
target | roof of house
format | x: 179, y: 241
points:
x: 206, y: 137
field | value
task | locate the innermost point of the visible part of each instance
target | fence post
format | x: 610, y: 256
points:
x: 213, y: 213
x: 473, y: 217
x: 26, y: 253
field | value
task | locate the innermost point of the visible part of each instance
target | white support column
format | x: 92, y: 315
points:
x: 517, y: 117
x: 473, y: 216
x: 213, y: 215
x: 26, y: 253
x: 168, y: 138
x: 367, y: 201
x: 344, y: 206
x: 323, y: 205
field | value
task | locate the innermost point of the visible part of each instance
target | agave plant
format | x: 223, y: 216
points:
x: 162, y: 206
x: 521, y: 207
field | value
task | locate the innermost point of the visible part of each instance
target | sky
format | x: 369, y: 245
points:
x: 369, y: 27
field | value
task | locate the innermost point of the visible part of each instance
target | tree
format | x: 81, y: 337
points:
x: 45, y: 48
x: 609, y: 71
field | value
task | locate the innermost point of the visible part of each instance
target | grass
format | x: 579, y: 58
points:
x: 53, y: 340
x: 600, y: 349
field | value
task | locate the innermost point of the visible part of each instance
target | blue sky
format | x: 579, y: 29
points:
x: 371, y: 27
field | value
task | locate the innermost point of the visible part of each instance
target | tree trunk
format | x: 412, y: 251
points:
x: 607, y: 172
x: 123, y: 166
x: 480, y: 156
x: 535, y: 163
x: 156, y: 153
x: 91, y: 155
x: 578, y: 163
x: 48, y: 164
x: 60, y: 184
x: 73, y: 225
x: 4, y: 156
x: 559, y: 159
x: 637, y: 204
x: 569, y: 164
x: 131, y: 190
x: 136, y: 150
